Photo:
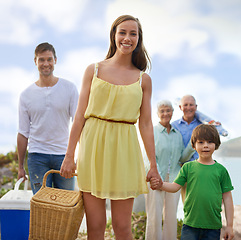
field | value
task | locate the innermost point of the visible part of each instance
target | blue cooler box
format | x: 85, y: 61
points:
x: 15, y: 213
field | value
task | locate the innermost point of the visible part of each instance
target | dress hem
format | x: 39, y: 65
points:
x: 114, y: 198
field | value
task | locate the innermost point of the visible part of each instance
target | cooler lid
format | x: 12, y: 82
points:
x: 17, y: 199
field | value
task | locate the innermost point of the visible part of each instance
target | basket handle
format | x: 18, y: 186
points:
x: 53, y: 171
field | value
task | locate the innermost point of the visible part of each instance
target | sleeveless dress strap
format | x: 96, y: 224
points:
x: 140, y: 78
x: 96, y: 69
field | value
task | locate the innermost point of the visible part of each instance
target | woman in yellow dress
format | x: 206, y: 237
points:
x: 115, y: 93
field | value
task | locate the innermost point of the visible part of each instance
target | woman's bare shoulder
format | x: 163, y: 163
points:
x: 146, y: 80
x: 90, y: 69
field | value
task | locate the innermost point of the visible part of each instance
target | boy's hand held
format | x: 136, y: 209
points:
x: 156, y: 183
x: 153, y: 174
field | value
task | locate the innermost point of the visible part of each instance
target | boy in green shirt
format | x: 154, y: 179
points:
x: 208, y: 184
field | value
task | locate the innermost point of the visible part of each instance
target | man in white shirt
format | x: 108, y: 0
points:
x: 45, y: 110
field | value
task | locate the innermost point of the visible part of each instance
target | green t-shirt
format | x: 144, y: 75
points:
x: 205, y: 186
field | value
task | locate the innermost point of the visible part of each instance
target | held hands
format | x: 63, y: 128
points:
x: 155, y: 184
x: 154, y: 175
x: 228, y: 233
x: 68, y: 166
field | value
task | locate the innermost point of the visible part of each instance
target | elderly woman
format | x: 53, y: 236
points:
x: 170, y: 152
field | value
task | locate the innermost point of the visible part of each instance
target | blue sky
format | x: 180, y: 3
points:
x: 194, y: 46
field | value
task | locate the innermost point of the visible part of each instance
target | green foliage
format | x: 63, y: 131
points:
x: 3, y: 191
x: 138, y: 225
x: 10, y: 161
x: 108, y: 231
x: 9, y: 157
x: 179, y: 228
x: 5, y: 180
x: 109, y: 224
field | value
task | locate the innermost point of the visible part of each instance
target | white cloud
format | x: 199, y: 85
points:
x: 73, y: 65
x: 226, y: 33
x: 169, y: 26
x: 15, y: 79
x: 24, y: 21
x: 61, y: 15
x: 13, y: 82
x: 8, y: 118
x: 8, y: 145
x: 15, y: 28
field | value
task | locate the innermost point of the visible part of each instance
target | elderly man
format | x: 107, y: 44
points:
x: 188, y: 122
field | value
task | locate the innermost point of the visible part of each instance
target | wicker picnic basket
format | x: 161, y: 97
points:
x: 55, y: 213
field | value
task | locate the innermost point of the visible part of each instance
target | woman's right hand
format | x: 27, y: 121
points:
x: 154, y: 174
x: 68, y: 166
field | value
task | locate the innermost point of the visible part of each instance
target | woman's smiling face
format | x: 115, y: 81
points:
x: 126, y: 37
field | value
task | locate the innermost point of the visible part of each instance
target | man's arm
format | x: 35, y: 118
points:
x: 229, y: 213
x: 22, y: 143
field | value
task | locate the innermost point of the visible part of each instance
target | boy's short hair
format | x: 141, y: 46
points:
x: 42, y: 47
x: 206, y: 132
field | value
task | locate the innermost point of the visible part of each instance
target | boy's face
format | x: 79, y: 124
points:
x: 204, y: 148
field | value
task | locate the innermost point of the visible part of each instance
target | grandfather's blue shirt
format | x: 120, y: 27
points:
x: 186, y: 130
x: 169, y: 149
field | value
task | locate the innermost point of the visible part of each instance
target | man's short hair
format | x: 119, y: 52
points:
x: 42, y: 47
x: 188, y: 96
x: 206, y: 132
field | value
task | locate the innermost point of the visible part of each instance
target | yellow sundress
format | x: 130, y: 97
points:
x: 110, y: 163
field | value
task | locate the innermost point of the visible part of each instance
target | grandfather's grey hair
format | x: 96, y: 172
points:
x: 165, y: 103
x: 188, y: 96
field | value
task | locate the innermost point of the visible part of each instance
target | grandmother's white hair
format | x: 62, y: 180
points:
x: 165, y: 103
